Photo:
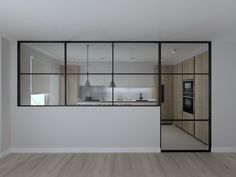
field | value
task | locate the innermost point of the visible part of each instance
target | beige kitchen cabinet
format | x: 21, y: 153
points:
x: 167, y: 85
x: 201, y: 130
x: 178, y: 95
x: 201, y: 106
x: 188, y: 68
x: 155, y: 88
x: 188, y: 125
x: 202, y: 63
x: 72, y: 85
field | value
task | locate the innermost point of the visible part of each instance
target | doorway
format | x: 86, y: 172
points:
x: 185, y: 82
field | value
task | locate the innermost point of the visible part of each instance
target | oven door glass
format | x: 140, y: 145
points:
x: 188, y: 105
x: 188, y: 86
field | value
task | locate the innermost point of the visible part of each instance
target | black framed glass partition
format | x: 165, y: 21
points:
x: 87, y: 73
x: 173, y: 75
x: 185, y: 89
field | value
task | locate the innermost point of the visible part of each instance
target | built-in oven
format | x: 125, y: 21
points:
x: 188, y: 105
x: 188, y: 96
x: 188, y: 88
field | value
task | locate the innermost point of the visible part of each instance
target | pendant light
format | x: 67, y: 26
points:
x: 87, y: 84
x: 112, y: 84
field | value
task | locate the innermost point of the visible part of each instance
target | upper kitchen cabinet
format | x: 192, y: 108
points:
x: 188, y: 68
x: 41, y: 57
x: 90, y: 57
x: 202, y: 63
x: 135, y: 57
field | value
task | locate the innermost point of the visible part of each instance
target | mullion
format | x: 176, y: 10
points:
x: 65, y: 73
x: 112, y: 77
x: 89, y: 73
x: 204, y: 74
x: 41, y: 74
x: 188, y: 120
x: 18, y: 74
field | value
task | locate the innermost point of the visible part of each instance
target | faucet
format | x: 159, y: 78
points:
x: 141, y: 96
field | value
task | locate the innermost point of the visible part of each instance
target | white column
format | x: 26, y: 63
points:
x: 0, y: 96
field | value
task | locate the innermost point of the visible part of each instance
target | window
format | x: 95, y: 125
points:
x: 87, y: 74
x: 39, y: 99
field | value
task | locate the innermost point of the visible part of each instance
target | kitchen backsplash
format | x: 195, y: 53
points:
x: 120, y: 93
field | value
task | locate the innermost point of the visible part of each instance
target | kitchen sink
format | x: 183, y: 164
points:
x: 142, y: 100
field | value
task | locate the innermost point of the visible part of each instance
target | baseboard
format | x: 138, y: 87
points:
x: 223, y: 149
x: 85, y: 150
x: 4, y: 153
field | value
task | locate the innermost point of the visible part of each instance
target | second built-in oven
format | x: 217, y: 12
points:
x: 188, y: 96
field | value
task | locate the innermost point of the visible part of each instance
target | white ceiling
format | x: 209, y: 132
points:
x: 117, y: 19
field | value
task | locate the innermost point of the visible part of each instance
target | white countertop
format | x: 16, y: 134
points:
x: 118, y: 102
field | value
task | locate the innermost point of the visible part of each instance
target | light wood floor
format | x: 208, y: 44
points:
x: 119, y: 165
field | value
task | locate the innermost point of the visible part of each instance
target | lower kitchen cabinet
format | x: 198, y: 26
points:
x: 201, y: 131
x: 178, y: 95
x: 188, y: 126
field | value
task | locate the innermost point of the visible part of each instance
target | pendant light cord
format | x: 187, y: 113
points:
x: 87, y: 59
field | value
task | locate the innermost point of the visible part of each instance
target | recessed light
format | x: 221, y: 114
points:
x: 102, y: 59
x: 174, y: 51
x: 132, y: 59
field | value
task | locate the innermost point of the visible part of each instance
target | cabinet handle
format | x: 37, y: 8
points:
x: 162, y: 93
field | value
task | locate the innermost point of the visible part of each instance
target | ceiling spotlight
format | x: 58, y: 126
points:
x: 174, y: 51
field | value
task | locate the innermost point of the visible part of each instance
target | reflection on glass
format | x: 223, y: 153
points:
x: 98, y: 93
x: 42, y: 58
x: 135, y: 90
x: 184, y: 103
x: 182, y: 56
x: 135, y: 57
x: 92, y: 57
x: 41, y: 90
x: 39, y: 99
x: 176, y: 138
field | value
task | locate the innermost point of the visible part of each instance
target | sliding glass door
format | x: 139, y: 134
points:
x: 185, y: 78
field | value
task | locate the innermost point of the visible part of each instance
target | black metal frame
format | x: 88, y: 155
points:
x: 113, y: 73
x: 209, y: 95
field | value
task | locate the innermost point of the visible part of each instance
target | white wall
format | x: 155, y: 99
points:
x: 81, y: 128
x: 223, y: 95
x: 0, y: 96
x: 5, y: 129
x: 119, y: 128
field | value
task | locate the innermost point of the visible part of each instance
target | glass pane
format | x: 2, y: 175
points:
x: 98, y: 55
x: 184, y: 58
x: 98, y: 93
x: 192, y: 136
x: 42, y: 90
x: 185, y: 95
x: 135, y: 57
x: 135, y: 90
x: 42, y: 58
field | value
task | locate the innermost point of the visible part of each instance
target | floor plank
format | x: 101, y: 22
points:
x: 119, y: 165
